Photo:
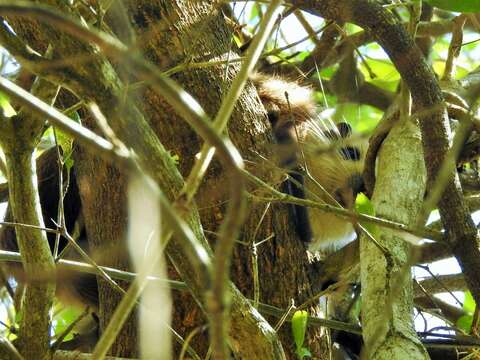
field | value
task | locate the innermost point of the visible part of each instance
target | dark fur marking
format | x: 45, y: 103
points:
x: 300, y: 213
x: 357, y: 184
x: 284, y: 135
x: 350, y: 153
x: 273, y: 117
x: 344, y: 129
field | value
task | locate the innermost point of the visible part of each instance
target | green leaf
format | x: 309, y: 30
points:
x: 64, y: 319
x: 303, y: 352
x: 8, y: 110
x: 464, y: 6
x: 326, y: 73
x: 469, y: 303
x: 174, y: 157
x: 465, y: 323
x: 18, y: 317
x: 299, y: 327
x: 75, y: 116
x: 323, y: 99
x: 357, y: 308
x: 65, y: 141
x: 389, y: 85
x: 253, y: 13
x: 438, y: 67
x: 363, y: 118
x: 363, y: 205
x: 237, y: 40
x: 302, y: 55
x: 48, y: 140
x: 383, y: 69
x: 352, y: 28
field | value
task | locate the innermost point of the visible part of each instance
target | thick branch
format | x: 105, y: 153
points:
x: 19, y: 137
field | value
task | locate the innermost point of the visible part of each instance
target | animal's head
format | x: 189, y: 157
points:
x: 335, y: 159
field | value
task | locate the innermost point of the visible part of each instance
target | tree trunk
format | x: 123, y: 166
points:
x: 170, y: 33
x: 201, y: 33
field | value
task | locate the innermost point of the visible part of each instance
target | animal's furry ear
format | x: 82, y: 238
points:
x: 344, y: 129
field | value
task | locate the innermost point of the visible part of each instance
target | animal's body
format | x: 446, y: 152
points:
x: 324, y: 161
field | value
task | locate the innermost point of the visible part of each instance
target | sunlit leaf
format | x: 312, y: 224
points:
x: 302, y: 55
x: 352, y: 28
x: 299, y: 327
x: 7, y: 109
x: 389, y: 85
x: 362, y: 118
x: 63, y: 320
x: 363, y: 205
x: 326, y: 73
x: 469, y: 303
x: 464, y: 6
x: 253, y: 13
x: 65, y: 141
x: 174, y: 157
x: 439, y: 67
x: 383, y: 69
x: 465, y: 323
x: 303, y: 353
x: 323, y: 99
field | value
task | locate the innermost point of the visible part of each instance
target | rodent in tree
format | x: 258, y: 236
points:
x: 325, y: 162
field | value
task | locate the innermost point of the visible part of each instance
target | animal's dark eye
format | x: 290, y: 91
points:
x: 350, y: 153
x: 273, y: 117
x: 283, y: 135
x: 344, y: 129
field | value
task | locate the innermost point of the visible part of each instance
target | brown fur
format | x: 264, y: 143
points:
x: 272, y: 89
x: 307, y: 141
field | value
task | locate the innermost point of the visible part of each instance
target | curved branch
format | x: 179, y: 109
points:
x: 436, y: 133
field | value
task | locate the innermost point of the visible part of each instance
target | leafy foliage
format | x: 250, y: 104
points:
x: 465, y: 321
x: 299, y: 328
x: 465, y: 6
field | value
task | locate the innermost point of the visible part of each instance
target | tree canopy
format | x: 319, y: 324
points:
x: 149, y: 208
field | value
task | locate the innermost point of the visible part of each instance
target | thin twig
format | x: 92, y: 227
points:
x: 277, y: 196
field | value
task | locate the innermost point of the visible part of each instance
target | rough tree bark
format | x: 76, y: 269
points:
x: 201, y: 33
x: 387, y: 306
